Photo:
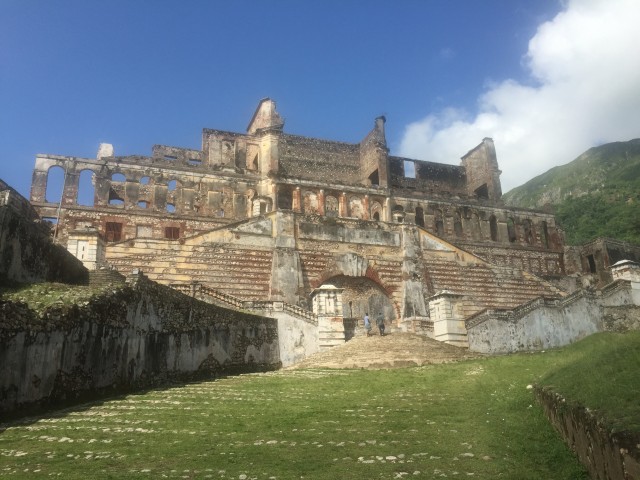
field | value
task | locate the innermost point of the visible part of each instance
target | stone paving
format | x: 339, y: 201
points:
x: 394, y: 350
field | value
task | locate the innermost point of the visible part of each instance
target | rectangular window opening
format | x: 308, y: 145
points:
x: 113, y: 231
x: 172, y: 233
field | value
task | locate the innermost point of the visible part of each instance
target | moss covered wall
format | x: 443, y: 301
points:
x: 138, y: 335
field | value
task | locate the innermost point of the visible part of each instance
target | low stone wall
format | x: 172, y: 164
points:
x: 129, y: 337
x: 548, y: 323
x: 605, y: 454
x: 28, y: 255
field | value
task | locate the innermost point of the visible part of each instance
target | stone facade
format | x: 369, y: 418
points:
x: 267, y: 215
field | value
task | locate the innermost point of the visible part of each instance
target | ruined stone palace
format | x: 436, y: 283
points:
x: 336, y: 229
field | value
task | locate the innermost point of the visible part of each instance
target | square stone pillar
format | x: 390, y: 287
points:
x: 87, y: 245
x: 445, y: 310
x: 327, y: 305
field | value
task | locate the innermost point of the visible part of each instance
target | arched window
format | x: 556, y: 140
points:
x: 493, y: 228
x: 118, y: 177
x: 55, y: 184
x: 86, y: 190
x: 144, y: 180
x: 171, y: 208
x: 331, y: 206
x: 419, y: 216
x: 457, y: 224
x: 511, y: 230
x: 172, y: 185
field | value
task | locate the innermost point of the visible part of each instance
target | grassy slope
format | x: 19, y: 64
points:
x: 597, y: 194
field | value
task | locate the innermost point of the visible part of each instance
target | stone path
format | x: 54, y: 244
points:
x: 394, y: 350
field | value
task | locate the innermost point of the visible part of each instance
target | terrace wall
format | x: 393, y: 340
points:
x: 130, y: 337
x: 547, y: 323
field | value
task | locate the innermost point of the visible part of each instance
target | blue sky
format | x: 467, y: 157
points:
x: 445, y: 73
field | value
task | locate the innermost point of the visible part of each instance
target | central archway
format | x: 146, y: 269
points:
x: 361, y: 295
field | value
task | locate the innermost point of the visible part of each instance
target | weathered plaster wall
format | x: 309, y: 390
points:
x: 547, y: 323
x: 130, y: 337
x: 27, y: 253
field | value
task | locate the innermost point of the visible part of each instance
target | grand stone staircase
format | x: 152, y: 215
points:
x: 394, y: 350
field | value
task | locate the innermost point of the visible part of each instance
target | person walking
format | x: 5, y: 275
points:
x: 367, y: 324
x: 380, y: 323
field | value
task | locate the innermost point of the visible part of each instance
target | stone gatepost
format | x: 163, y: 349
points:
x: 87, y: 245
x: 626, y: 270
x: 445, y: 310
x: 327, y: 305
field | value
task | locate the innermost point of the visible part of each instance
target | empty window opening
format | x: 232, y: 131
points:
x: 285, y: 199
x: 144, y: 180
x: 52, y: 220
x: 171, y: 208
x: 143, y: 204
x: 398, y: 214
x: 196, y: 162
x: 493, y: 228
x: 529, y: 235
x: 482, y: 191
x: 420, y: 216
x: 409, y: 169
x: 118, y: 177
x: 172, y: 233
x: 438, y: 222
x: 376, y: 216
x: 374, y: 178
x: 55, y: 185
x: 171, y: 158
x: 86, y: 188
x: 254, y: 164
x: 592, y: 263
x: 263, y: 208
x: 221, y: 212
x: 172, y: 185
x: 457, y: 225
x: 511, y: 230
x: 113, y: 231
x: 545, y: 235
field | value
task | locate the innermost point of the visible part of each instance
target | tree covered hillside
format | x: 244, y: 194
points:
x: 595, y: 195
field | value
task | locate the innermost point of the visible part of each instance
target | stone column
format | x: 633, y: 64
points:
x: 321, y: 209
x: 365, y: 207
x: 296, y: 202
x: 342, y: 205
x: 327, y: 305
x: 445, y: 310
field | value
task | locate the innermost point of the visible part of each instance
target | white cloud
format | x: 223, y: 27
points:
x: 585, y: 64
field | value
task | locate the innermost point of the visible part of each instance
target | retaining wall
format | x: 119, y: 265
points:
x: 129, y: 337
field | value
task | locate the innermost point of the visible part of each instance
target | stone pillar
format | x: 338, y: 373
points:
x: 296, y: 201
x: 87, y: 246
x: 387, y: 210
x: 365, y: 206
x: 342, y: 205
x: 321, y: 202
x: 445, y: 310
x: 327, y: 305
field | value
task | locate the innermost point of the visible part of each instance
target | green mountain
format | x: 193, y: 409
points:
x: 595, y: 195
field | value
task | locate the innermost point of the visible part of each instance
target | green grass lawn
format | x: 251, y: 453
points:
x: 475, y: 419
